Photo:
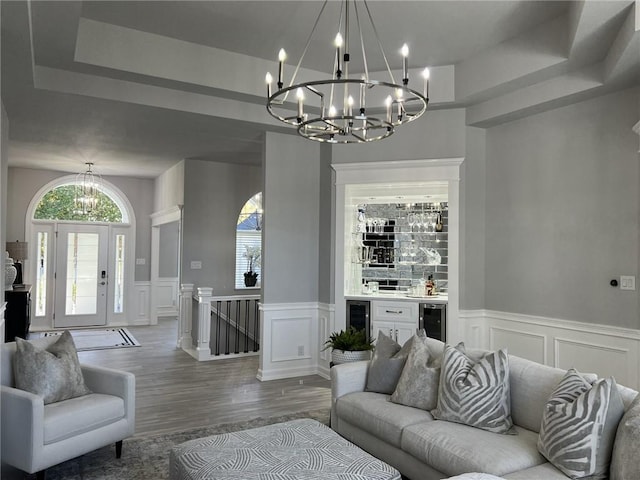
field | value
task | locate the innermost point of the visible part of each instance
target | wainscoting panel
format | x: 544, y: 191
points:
x: 601, y: 349
x: 167, y: 297
x: 141, y: 303
x: 289, y: 345
x: 326, y: 325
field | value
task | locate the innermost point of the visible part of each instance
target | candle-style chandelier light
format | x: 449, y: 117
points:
x: 327, y: 110
x: 87, y: 189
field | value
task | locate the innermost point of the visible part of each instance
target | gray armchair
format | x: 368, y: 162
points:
x: 36, y: 436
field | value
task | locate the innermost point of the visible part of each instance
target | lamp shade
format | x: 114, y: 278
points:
x: 18, y: 250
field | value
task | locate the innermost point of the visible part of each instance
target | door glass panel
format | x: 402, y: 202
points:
x: 119, y: 275
x: 82, y: 274
x: 41, y: 274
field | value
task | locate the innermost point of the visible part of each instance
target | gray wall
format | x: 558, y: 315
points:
x: 4, y: 160
x: 437, y: 134
x: 214, y: 194
x: 291, y: 228
x: 472, y: 221
x: 326, y: 222
x: 24, y: 183
x: 168, y: 250
x: 562, y: 212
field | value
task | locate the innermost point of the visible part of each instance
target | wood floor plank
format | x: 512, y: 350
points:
x: 176, y: 392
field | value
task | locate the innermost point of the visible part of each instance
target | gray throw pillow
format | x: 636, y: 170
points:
x: 475, y: 393
x: 625, y: 461
x: 54, y: 373
x: 579, y: 426
x: 387, y: 364
x: 418, y: 384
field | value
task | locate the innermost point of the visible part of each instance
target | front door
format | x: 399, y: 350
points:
x: 81, y: 275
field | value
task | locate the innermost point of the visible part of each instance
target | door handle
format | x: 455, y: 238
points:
x: 394, y: 311
x: 103, y: 283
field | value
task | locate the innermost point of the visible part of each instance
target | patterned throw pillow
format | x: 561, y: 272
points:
x: 625, y: 462
x: 54, y: 373
x: 387, y: 363
x: 475, y: 393
x: 418, y: 384
x: 579, y: 426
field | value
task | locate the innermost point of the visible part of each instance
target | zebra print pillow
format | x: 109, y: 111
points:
x: 475, y: 393
x: 579, y: 426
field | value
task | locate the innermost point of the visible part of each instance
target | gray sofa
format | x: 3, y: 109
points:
x: 425, y: 449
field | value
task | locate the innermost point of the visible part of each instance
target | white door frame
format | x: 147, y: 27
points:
x: 61, y: 318
x: 158, y: 219
x: 128, y: 227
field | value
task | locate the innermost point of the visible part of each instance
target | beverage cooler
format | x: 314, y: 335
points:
x: 358, y: 316
x: 433, y: 318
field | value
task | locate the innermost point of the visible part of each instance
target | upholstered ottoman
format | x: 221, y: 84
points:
x: 299, y: 449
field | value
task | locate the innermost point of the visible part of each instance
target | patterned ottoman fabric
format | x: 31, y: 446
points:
x: 296, y: 450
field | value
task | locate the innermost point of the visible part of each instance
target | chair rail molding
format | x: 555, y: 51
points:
x: 291, y: 339
x: 603, y: 349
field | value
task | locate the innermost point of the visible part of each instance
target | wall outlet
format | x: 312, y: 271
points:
x: 141, y: 261
x: 627, y: 282
x: 196, y: 265
x: 301, y: 350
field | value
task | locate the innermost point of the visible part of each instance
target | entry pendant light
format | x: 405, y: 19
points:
x: 341, y: 108
x: 87, y: 189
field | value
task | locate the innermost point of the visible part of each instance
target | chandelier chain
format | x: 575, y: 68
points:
x: 364, y: 54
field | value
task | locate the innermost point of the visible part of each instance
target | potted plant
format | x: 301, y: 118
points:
x: 252, y: 254
x: 349, y: 346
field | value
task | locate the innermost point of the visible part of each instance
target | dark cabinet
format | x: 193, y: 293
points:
x: 17, y: 316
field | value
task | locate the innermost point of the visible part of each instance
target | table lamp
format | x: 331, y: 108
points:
x: 19, y: 251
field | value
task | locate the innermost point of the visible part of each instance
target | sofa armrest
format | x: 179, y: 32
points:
x: 348, y: 378
x: 22, y: 420
x: 112, y: 382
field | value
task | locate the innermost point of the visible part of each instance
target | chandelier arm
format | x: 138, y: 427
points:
x: 306, y: 47
x: 375, y: 31
x: 364, y: 55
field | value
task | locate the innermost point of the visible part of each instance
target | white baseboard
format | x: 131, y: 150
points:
x: 602, y: 349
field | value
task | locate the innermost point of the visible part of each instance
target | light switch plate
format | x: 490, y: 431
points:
x: 141, y: 261
x: 195, y: 265
x: 627, y: 282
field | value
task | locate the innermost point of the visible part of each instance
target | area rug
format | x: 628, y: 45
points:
x: 99, y: 338
x: 147, y: 458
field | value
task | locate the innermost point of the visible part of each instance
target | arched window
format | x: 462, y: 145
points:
x: 249, y: 244
x: 59, y: 203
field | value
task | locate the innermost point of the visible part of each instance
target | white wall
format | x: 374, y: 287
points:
x: 169, y: 188
x: 214, y: 194
x: 562, y: 212
x: 4, y: 159
x: 24, y: 183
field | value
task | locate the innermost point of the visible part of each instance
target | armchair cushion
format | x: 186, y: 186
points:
x: 53, y: 373
x: 75, y: 416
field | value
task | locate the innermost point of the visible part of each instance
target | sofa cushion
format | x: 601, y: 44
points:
x: 625, y: 462
x: 454, y: 449
x: 75, y: 416
x: 579, y: 425
x: 418, y: 384
x: 545, y: 471
x: 53, y: 373
x: 375, y: 414
x: 531, y: 385
x: 387, y: 363
x: 475, y: 393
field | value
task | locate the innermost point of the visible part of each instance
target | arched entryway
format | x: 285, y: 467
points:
x: 81, y: 266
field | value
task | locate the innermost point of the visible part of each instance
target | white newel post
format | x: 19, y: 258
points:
x: 204, y: 322
x: 185, y: 315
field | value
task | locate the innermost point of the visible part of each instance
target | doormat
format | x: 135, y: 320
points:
x: 98, y: 339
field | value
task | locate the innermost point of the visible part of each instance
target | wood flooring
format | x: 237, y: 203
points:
x: 176, y: 392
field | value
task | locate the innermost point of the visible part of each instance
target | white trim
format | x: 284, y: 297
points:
x: 128, y: 227
x: 168, y: 215
x: 3, y: 307
x: 603, y: 349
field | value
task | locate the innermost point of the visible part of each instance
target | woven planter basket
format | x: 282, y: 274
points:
x: 346, y: 356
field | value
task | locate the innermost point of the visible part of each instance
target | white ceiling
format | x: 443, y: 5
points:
x: 73, y: 98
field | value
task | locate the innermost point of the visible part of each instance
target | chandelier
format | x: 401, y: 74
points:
x: 87, y: 190
x: 327, y: 110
